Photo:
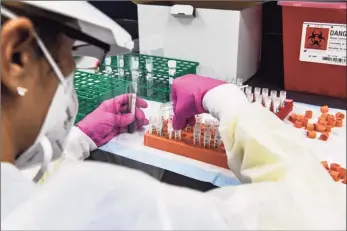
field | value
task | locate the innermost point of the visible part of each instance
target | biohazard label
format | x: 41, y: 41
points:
x: 323, y: 43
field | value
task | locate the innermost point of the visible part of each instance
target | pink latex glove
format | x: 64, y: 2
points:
x: 112, y: 118
x: 187, y: 94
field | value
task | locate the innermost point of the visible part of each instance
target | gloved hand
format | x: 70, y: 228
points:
x: 187, y: 94
x: 112, y: 118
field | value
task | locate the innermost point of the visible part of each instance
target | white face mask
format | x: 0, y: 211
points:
x: 50, y: 142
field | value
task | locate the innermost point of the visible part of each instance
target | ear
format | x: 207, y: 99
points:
x: 16, y: 45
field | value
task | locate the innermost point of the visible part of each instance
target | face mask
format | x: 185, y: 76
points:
x: 50, y: 142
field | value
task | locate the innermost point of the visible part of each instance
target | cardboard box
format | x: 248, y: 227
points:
x: 223, y: 36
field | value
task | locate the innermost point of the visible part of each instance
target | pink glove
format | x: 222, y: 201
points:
x: 187, y: 94
x: 111, y: 118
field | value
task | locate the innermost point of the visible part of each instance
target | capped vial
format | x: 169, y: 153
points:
x: 178, y: 134
x: 258, y: 99
x: 169, y: 127
x: 159, y: 127
x: 120, y: 61
x: 208, y: 124
x: 257, y: 91
x: 151, y: 125
x: 265, y: 92
x: 135, y: 62
x: 108, y: 60
x: 239, y: 82
x: 108, y: 70
x: 149, y: 64
x: 198, y: 119
x: 283, y: 97
x: 207, y: 138
x: 250, y: 98
x: 276, y: 104
x: 121, y: 73
x: 267, y: 102
x: 196, y: 134
x: 217, y: 137
x: 248, y: 90
x: 273, y: 94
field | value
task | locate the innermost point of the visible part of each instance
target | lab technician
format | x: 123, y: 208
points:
x: 285, y: 186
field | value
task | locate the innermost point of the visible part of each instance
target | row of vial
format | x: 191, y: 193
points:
x: 259, y: 95
x: 135, y: 64
x: 211, y: 127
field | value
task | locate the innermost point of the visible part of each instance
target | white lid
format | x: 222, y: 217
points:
x: 108, y: 60
x: 171, y: 63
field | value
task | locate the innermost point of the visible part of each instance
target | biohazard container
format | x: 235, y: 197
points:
x: 314, y: 47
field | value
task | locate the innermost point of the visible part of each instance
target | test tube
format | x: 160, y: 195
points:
x: 208, y: 124
x: 258, y: 99
x: 207, y: 138
x: 217, y: 138
x: 172, y: 72
x: 198, y: 119
x: 120, y: 61
x: 276, y: 104
x: 267, y: 103
x: 239, y: 82
x: 149, y: 84
x: 149, y: 64
x: 248, y: 90
x: 265, y: 92
x: 108, y: 60
x: 134, y: 62
x: 256, y: 91
x: 197, y: 134
x: 131, y: 104
x: 159, y: 127
x: 178, y: 134
x: 250, y: 98
x: 273, y: 94
x: 169, y: 127
x: 151, y: 125
x: 283, y: 96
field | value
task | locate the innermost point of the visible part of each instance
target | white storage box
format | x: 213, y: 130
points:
x: 224, y: 37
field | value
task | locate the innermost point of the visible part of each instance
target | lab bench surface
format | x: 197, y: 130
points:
x: 172, y: 178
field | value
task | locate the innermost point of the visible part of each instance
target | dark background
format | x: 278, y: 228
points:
x: 125, y: 13
x: 270, y: 75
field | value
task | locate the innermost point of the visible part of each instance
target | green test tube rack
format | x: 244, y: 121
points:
x: 160, y: 66
x: 93, y: 89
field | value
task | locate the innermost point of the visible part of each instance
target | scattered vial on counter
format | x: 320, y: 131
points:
x: 273, y: 94
x: 256, y: 91
x: 276, y: 104
x: 267, y: 102
x: 258, y: 99
x: 283, y: 97
x: 248, y: 90
x: 265, y: 92
x: 250, y: 98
